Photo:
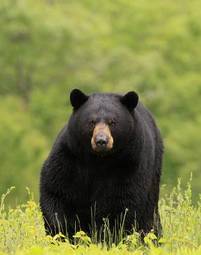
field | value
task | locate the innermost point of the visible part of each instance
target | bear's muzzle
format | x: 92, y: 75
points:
x: 102, y: 139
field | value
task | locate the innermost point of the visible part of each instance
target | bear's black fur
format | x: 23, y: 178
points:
x: 75, y: 179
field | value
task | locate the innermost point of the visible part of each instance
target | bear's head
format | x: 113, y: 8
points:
x: 101, y: 124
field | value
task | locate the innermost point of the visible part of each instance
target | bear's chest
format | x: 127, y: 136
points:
x: 101, y: 186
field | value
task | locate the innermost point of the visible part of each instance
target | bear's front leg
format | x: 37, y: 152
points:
x: 56, y: 218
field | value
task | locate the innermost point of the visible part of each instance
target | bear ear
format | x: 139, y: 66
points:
x: 77, y: 98
x: 130, y: 100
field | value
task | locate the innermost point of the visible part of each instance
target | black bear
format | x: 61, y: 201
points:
x: 108, y: 157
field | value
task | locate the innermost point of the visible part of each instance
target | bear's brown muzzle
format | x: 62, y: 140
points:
x: 102, y: 139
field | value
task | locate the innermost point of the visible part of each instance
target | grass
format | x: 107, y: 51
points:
x: 22, y: 231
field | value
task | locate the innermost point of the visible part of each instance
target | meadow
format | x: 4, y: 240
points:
x: 22, y: 231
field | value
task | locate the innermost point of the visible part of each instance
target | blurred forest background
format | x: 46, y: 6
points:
x: 48, y: 47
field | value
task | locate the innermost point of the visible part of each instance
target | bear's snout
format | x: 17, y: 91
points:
x: 102, y: 139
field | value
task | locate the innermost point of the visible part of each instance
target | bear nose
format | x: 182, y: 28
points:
x: 101, y: 140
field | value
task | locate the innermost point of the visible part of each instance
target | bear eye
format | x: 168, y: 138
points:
x: 111, y: 123
x: 92, y: 124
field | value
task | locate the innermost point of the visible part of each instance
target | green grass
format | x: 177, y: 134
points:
x: 22, y: 232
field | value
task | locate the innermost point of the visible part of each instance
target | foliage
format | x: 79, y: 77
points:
x: 48, y: 47
x: 22, y: 231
